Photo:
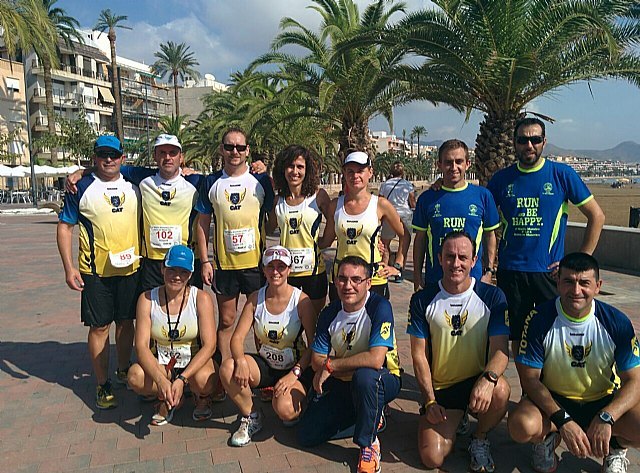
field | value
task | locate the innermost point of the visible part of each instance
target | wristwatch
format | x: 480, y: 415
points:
x: 297, y: 371
x: 491, y: 376
x: 183, y: 379
x: 606, y: 418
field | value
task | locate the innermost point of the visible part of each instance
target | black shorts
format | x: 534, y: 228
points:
x: 456, y: 396
x: 151, y: 274
x: 314, y: 286
x: 524, y: 291
x: 381, y: 289
x: 582, y: 412
x: 231, y: 282
x: 106, y: 300
x: 270, y: 376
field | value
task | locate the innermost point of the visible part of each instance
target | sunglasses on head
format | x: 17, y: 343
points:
x: 108, y: 154
x: 535, y: 140
x: 230, y: 147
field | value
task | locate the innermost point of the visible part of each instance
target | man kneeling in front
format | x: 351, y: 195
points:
x: 459, y: 346
x: 356, y: 364
x: 571, y: 389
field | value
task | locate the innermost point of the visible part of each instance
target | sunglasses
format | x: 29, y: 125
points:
x: 108, y: 154
x: 535, y: 140
x: 277, y: 252
x: 173, y: 153
x: 230, y: 147
x: 355, y: 280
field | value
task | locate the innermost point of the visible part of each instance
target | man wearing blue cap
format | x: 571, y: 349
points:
x: 107, y: 210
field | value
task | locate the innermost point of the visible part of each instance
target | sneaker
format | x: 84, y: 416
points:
x: 266, y: 394
x: 202, y: 410
x: 370, y: 458
x: 616, y: 461
x: 104, y: 396
x: 464, y: 427
x: 248, y: 426
x: 544, y: 458
x: 121, y: 377
x: 481, y: 460
x: 164, y: 414
x: 399, y: 278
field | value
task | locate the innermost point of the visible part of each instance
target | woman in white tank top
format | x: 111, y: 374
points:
x: 177, y: 320
x: 279, y: 314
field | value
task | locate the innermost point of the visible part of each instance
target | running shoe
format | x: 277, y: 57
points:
x: 105, y: 398
x: 248, y: 427
x: 481, y: 459
x: 164, y: 414
x: 369, y: 461
x: 266, y: 394
x: 121, y: 377
x: 616, y: 461
x: 544, y: 458
x: 202, y: 410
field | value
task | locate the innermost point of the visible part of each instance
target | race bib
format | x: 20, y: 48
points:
x: 241, y: 240
x: 124, y: 258
x: 302, y: 259
x: 165, y: 236
x: 277, y: 359
x: 181, y: 352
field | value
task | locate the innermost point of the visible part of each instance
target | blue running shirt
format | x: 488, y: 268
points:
x: 534, y: 204
x: 469, y: 208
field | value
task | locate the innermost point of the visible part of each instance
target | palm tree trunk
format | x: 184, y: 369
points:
x: 354, y: 136
x: 175, y: 93
x: 51, y: 116
x: 494, y: 145
x: 418, y: 145
x: 116, y: 87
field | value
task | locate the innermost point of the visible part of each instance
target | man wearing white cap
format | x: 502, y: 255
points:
x: 356, y: 219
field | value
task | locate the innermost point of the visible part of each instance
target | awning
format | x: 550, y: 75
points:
x: 106, y: 95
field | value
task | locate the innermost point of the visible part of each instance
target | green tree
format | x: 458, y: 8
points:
x: 418, y: 131
x: 108, y: 21
x: 175, y: 59
x: 6, y: 140
x: 346, y: 87
x: 76, y: 137
x: 66, y: 28
x: 173, y: 125
x: 26, y: 25
x: 498, y: 56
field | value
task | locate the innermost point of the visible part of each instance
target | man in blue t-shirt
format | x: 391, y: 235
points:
x: 460, y: 350
x: 456, y: 206
x: 533, y: 196
x: 356, y: 365
x: 574, y: 352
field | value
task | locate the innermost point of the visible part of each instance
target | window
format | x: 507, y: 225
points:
x: 13, y: 85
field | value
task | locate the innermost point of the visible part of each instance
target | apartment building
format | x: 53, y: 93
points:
x: 13, y: 113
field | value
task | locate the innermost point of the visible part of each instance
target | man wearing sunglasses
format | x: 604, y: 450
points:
x: 533, y: 195
x: 356, y: 363
x: 107, y: 210
x: 237, y: 202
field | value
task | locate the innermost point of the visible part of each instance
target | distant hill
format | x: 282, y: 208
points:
x: 627, y: 151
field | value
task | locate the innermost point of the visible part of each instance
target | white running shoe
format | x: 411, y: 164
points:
x: 248, y: 426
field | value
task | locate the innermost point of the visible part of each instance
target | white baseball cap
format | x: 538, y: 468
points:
x: 358, y: 157
x: 165, y: 139
x: 274, y: 253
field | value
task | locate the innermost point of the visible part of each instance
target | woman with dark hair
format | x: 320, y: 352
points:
x: 298, y: 212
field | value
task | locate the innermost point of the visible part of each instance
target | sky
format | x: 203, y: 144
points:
x: 227, y: 35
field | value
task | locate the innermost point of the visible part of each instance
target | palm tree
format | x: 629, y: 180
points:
x: 347, y: 87
x: 417, y: 131
x: 404, y: 142
x: 497, y: 56
x: 26, y: 25
x: 108, y: 21
x: 66, y: 28
x: 177, y: 60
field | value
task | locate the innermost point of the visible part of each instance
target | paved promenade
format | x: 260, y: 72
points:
x: 48, y: 421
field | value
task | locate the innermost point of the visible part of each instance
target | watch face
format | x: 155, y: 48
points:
x: 606, y: 417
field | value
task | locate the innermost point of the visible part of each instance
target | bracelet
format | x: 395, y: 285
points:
x: 423, y: 409
x: 559, y: 418
x: 327, y: 365
x: 205, y: 262
x: 183, y: 379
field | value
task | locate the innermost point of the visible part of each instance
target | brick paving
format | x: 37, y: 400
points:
x: 48, y: 422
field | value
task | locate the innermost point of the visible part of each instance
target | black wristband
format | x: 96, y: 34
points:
x: 560, y: 417
x: 183, y: 379
x: 205, y: 262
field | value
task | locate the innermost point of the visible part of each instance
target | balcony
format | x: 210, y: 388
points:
x: 68, y: 73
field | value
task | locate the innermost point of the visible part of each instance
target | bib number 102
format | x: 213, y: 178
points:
x: 164, y: 234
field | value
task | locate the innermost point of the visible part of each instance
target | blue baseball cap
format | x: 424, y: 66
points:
x: 108, y: 141
x: 179, y: 256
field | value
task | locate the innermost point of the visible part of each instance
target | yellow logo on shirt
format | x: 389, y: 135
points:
x: 181, y: 333
x: 578, y: 354
x: 352, y: 233
x: 235, y: 198
x: 166, y: 196
x: 635, y: 346
x: 456, y: 322
x: 385, y: 330
x: 115, y: 201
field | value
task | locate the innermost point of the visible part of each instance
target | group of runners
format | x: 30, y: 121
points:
x: 333, y: 368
